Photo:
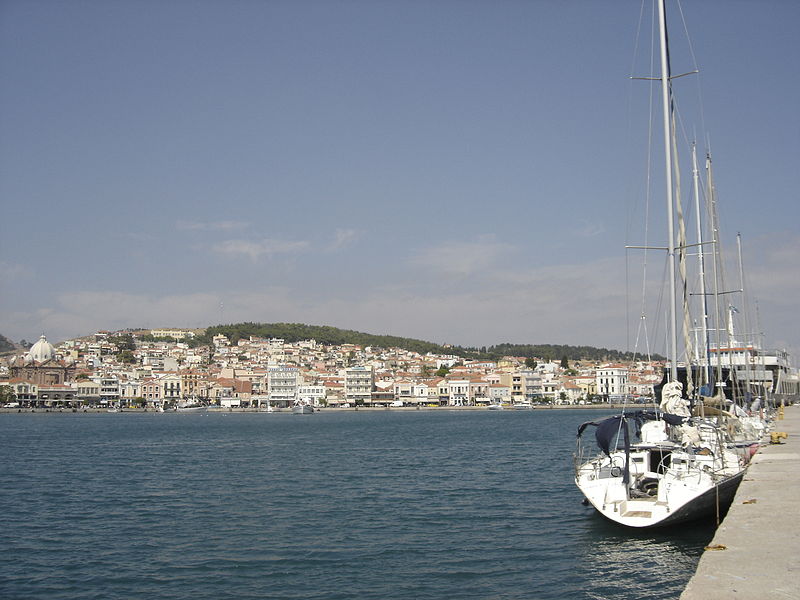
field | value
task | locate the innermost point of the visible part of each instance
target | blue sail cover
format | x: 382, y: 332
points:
x: 608, y: 431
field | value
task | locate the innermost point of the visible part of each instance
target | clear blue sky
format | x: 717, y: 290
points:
x: 458, y: 171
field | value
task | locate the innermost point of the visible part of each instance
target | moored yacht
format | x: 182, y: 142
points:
x: 676, y: 464
x: 657, y: 468
x: 302, y: 407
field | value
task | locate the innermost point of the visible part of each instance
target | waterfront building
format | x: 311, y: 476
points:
x: 24, y: 391
x: 193, y: 384
x: 458, y: 391
x: 383, y: 393
x: 569, y: 392
x: 443, y: 392
x: 130, y: 389
x: 171, y: 386
x: 612, y: 381
x: 432, y: 387
x: 42, y: 366
x: 550, y: 389
x: 420, y: 393
x: 223, y: 389
x: 478, y: 390
x: 151, y: 390
x: 282, y: 384
x: 588, y: 384
x: 359, y: 382
x: 315, y: 393
x: 499, y: 393
x: 334, y: 391
x: 109, y: 389
x: 534, y: 387
x: 404, y: 390
x: 55, y: 394
x: 87, y: 391
x: 515, y: 381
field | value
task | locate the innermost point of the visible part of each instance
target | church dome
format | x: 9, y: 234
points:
x: 41, y: 350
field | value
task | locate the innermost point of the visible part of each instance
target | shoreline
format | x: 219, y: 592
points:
x: 217, y: 409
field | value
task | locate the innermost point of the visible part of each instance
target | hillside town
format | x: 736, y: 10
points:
x: 123, y: 370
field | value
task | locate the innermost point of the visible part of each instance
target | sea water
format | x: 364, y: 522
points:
x: 335, y: 505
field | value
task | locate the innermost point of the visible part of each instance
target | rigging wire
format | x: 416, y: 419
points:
x: 695, y: 66
x: 633, y: 206
x: 648, y: 183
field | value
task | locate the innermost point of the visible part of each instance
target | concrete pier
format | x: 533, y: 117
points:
x: 758, y: 543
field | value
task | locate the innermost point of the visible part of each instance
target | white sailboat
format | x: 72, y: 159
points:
x: 678, y: 468
x: 302, y: 406
x: 661, y: 467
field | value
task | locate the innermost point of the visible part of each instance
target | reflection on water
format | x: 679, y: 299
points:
x: 382, y: 505
x: 624, y: 563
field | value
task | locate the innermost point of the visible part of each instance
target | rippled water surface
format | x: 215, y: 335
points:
x: 384, y: 505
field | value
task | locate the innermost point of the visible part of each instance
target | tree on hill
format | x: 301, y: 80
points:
x: 127, y: 357
x: 123, y: 342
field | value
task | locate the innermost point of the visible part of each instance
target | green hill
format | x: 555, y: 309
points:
x: 323, y: 334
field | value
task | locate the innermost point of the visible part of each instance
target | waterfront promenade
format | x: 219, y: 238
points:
x: 97, y: 409
x: 761, y: 533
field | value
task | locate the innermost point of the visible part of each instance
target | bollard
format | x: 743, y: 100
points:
x: 776, y: 436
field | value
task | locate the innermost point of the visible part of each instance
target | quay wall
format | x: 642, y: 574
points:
x: 755, y: 552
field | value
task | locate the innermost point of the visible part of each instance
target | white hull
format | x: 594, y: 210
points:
x: 303, y: 410
x: 667, y: 482
x: 678, y: 497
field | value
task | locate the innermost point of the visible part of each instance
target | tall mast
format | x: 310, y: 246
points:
x: 666, y: 98
x: 702, y: 265
x: 747, y: 339
x: 712, y: 194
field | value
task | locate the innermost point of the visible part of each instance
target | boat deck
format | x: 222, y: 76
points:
x: 759, y: 540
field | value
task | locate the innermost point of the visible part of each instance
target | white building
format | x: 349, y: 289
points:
x: 612, y: 381
x: 358, y: 384
x: 314, y: 393
x: 458, y: 391
x: 170, y: 386
x: 109, y: 389
x: 282, y: 384
x: 177, y: 334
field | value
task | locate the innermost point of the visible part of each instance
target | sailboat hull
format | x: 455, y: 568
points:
x: 710, y: 504
x: 696, y: 504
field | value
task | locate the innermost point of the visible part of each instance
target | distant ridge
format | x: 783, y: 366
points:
x: 324, y: 334
x: 6, y: 345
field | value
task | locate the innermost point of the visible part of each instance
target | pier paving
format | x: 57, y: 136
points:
x: 761, y: 533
